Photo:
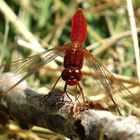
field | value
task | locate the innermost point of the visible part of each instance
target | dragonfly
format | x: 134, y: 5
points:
x: 75, y: 54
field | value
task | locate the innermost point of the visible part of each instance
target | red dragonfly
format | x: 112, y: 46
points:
x: 74, y: 55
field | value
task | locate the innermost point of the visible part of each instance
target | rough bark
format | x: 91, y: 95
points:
x: 58, y: 113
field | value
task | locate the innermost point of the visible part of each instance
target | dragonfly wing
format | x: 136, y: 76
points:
x: 110, y: 84
x: 26, y: 63
x: 33, y: 63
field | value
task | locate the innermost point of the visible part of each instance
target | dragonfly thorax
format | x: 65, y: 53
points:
x: 71, y: 75
x: 74, y: 58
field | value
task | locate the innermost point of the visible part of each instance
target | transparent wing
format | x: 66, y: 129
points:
x: 32, y: 63
x: 22, y: 63
x: 111, y: 85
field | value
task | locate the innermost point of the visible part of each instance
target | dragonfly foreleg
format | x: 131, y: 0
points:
x: 65, y: 91
x: 81, y: 90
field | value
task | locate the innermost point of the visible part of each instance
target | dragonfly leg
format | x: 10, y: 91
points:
x: 56, y: 82
x: 65, y: 91
x: 81, y: 90
x: 77, y: 95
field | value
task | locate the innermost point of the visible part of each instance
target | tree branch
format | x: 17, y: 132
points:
x: 56, y: 112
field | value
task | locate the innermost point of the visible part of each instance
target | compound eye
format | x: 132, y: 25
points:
x: 66, y: 74
x: 78, y: 74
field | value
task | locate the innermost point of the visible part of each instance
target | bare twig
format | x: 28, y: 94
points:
x: 121, y: 78
x: 102, y: 7
x: 62, y: 24
x: 4, y: 40
x: 134, y: 35
x: 11, y: 17
x: 56, y: 112
x: 108, y: 42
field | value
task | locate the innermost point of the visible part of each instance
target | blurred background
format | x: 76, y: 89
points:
x: 28, y: 27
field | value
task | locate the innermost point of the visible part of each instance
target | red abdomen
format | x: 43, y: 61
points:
x: 79, y: 27
x: 74, y: 58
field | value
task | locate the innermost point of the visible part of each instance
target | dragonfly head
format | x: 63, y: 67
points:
x: 72, y: 75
